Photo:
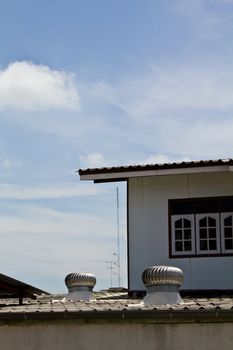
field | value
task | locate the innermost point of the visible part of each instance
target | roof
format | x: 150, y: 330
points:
x: 124, y: 172
x: 10, y: 287
x: 118, y: 307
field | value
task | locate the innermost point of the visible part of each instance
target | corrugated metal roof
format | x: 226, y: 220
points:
x: 149, y: 167
x: 107, y: 306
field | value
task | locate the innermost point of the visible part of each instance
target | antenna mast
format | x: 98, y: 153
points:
x: 118, y: 241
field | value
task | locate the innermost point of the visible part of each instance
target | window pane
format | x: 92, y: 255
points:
x: 203, y: 222
x: 178, y: 235
x: 178, y: 224
x: 182, y: 231
x: 179, y: 247
x: 203, y: 233
x: 228, y: 244
x: 187, y: 234
x: 212, y: 233
x: 187, y: 246
x: 228, y: 232
x: 203, y: 244
x: 212, y: 244
x: 211, y: 222
x: 228, y: 221
x: 187, y: 223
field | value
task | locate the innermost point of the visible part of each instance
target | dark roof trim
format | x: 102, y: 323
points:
x: 111, y: 180
x: 122, y: 316
x: 151, y: 167
x: 10, y: 287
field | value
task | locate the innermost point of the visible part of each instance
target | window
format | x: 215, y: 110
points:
x: 227, y: 232
x: 200, y: 227
x: 183, y: 242
x: 207, y: 233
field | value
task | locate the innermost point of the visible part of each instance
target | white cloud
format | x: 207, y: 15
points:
x: 93, y: 160
x: 178, y: 88
x: 163, y: 158
x: 9, y: 164
x: 183, y: 110
x: 11, y: 191
x: 27, y: 86
x: 99, y: 91
x: 44, y: 221
x: 203, y: 137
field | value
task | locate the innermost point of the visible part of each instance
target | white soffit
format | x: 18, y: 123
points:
x: 161, y: 172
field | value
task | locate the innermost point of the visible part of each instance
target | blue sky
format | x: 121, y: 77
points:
x: 96, y: 83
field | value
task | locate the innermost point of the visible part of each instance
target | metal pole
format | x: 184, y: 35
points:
x: 118, y: 241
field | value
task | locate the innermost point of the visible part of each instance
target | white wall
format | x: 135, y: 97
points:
x: 148, y: 228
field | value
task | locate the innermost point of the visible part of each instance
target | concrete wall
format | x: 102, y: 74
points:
x: 106, y: 336
x: 148, y: 228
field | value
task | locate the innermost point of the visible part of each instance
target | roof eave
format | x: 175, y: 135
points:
x: 102, y: 176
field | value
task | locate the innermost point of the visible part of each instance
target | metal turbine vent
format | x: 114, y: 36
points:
x: 80, y: 279
x: 162, y: 275
x: 80, y: 285
x: 162, y: 285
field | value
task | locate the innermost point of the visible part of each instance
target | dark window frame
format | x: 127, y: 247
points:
x: 194, y: 206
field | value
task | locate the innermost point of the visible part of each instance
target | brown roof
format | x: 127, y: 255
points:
x: 148, y: 167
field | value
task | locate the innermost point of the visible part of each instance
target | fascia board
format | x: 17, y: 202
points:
x: 162, y: 172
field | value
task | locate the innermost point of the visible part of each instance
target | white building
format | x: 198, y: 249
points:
x: 179, y: 214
